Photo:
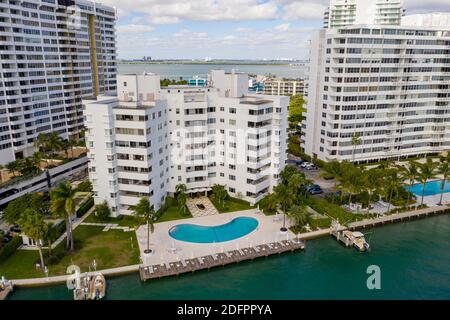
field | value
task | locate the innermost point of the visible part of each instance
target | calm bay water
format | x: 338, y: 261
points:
x: 414, y: 258
x: 186, y: 71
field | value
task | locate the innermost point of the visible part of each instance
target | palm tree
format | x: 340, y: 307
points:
x: 356, y: 141
x: 427, y: 171
x: 353, y: 182
x: 54, y: 142
x: 296, y: 181
x: 443, y: 170
x: 36, y: 158
x: 270, y: 202
x: 285, y: 199
x: 391, y: 184
x: 63, y: 205
x: 220, y: 193
x: 41, y: 142
x: 409, y: 172
x: 298, y: 215
x: 34, y: 226
x: 287, y: 173
x: 372, y: 182
x: 182, y: 196
x: 65, y: 145
x: 13, y: 167
x: 72, y: 143
x: 146, y: 212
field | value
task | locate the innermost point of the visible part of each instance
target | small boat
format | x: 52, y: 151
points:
x: 98, y: 287
x: 357, y: 239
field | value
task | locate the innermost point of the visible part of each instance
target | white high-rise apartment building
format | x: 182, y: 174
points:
x: 147, y: 139
x: 53, y: 53
x: 389, y: 86
x: 341, y: 13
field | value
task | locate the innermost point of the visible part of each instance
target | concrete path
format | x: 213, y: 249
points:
x: 107, y: 226
x: 63, y: 279
x: 193, y: 203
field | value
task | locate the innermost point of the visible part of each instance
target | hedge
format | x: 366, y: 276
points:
x: 10, y: 248
x: 84, y: 207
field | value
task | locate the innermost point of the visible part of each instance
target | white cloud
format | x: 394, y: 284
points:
x: 282, y: 27
x: 303, y: 10
x: 174, y: 11
x: 134, y: 28
x: 243, y: 30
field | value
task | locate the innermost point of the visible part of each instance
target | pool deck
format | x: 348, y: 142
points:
x: 166, y: 249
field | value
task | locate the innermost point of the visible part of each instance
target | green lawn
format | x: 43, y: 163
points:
x: 122, y: 220
x: 335, y: 211
x: 173, y: 213
x: 231, y: 205
x: 110, y: 249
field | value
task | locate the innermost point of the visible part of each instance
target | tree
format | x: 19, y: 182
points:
x: 33, y: 201
x: 286, y: 174
x: 102, y: 211
x: 409, y: 172
x: 352, y: 181
x: 298, y: 215
x: 296, y: 109
x: 270, y: 202
x: 371, y: 182
x: 13, y: 167
x: 356, y: 141
x: 63, y: 205
x: 41, y: 142
x: 34, y: 226
x: 28, y: 166
x: 285, y: 200
x: 146, y: 212
x: 54, y: 142
x: 427, y: 171
x: 444, y: 171
x: 182, y: 196
x: 72, y: 143
x: 220, y: 193
x: 391, y: 183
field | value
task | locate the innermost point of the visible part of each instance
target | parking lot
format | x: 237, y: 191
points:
x: 315, y: 176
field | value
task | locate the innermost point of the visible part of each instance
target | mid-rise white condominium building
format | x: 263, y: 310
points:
x: 342, y: 13
x: 53, y: 53
x: 147, y: 140
x: 378, y: 92
x: 284, y: 87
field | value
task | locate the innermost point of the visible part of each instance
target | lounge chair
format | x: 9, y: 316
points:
x: 200, y: 260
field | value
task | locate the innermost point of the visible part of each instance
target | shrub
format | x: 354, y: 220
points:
x: 84, y: 186
x: 56, y: 231
x: 102, y: 211
x: 10, y: 248
x: 84, y: 207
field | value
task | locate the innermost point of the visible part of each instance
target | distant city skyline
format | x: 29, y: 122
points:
x: 225, y: 29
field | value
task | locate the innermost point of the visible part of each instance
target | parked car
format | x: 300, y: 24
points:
x: 15, y: 228
x: 311, y: 167
x: 305, y: 164
x: 315, y: 191
x: 7, y: 238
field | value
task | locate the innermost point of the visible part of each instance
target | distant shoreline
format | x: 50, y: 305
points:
x: 205, y: 63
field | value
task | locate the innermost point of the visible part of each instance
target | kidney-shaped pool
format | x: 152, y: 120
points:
x: 234, y: 229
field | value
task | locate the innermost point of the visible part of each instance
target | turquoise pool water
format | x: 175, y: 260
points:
x: 431, y: 188
x: 234, y: 229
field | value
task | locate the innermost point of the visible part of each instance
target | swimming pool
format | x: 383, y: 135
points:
x: 234, y: 229
x: 431, y: 188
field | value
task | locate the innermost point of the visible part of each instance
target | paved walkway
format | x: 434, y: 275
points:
x: 75, y: 223
x: 209, y: 209
x: 108, y: 226
x: 62, y: 279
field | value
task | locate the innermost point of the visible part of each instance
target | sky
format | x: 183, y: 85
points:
x: 225, y: 29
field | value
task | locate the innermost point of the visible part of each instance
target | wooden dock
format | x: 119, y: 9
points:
x: 397, y: 217
x: 218, y: 259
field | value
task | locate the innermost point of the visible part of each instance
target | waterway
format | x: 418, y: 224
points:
x: 186, y: 71
x: 414, y: 260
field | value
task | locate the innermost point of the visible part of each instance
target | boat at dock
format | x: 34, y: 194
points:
x: 90, y: 287
x: 357, y: 239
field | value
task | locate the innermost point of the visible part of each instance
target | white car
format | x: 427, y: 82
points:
x: 305, y: 164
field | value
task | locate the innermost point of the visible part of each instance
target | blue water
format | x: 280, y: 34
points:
x: 413, y: 257
x: 234, y: 229
x: 431, y: 188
